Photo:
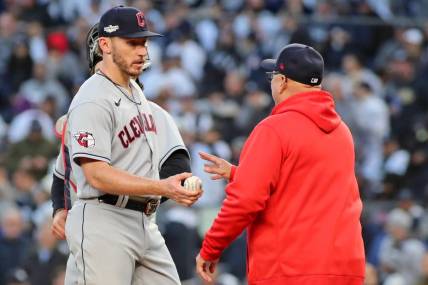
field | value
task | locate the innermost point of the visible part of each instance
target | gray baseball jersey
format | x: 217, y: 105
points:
x: 168, y: 140
x: 106, y: 125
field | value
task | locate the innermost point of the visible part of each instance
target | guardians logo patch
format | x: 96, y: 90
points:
x: 85, y: 139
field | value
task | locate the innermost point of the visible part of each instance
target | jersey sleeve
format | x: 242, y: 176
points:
x: 57, y: 194
x: 59, y: 170
x: 169, y: 136
x: 90, y: 127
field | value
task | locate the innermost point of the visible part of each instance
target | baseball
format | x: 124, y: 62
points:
x: 193, y: 183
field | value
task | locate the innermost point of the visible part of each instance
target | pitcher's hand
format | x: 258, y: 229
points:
x: 58, y: 224
x: 174, y: 190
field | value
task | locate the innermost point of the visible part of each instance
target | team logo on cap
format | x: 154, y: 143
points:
x: 140, y: 19
x: 314, y: 80
x: 110, y: 29
x: 85, y: 139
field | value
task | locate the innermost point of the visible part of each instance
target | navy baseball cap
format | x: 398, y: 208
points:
x: 124, y: 22
x: 298, y: 62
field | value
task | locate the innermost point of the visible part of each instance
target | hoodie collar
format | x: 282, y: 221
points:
x: 318, y: 106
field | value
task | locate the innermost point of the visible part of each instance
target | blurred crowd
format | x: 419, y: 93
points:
x: 205, y: 73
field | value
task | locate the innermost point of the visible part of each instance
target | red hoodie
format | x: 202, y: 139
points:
x: 295, y: 191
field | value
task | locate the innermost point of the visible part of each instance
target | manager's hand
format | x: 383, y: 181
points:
x: 218, y: 167
x: 205, y: 269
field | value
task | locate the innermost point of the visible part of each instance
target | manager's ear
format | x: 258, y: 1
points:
x: 284, y: 83
x: 105, y: 45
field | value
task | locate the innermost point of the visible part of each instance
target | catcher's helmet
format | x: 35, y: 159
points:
x: 92, y: 52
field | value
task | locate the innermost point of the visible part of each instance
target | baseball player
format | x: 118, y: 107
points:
x: 175, y: 156
x: 64, y: 186
x: 116, y: 152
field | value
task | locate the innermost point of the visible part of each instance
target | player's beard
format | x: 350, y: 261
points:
x: 124, y: 66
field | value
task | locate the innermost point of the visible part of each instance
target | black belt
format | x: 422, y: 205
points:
x: 148, y: 207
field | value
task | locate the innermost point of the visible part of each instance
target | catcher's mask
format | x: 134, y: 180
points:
x: 93, y: 52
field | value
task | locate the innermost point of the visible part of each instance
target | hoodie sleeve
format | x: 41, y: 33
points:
x: 232, y: 173
x: 247, y: 194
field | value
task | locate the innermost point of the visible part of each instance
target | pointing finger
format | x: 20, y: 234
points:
x: 208, y: 157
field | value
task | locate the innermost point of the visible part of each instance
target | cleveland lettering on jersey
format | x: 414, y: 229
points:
x: 135, y: 128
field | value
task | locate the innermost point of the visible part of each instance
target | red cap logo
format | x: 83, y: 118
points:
x: 140, y: 19
x: 281, y: 66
